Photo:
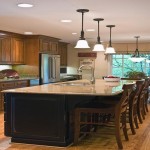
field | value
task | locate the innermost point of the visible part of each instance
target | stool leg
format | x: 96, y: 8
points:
x: 117, y: 132
x: 125, y: 126
x: 136, y: 122
x: 131, y: 121
x: 146, y: 104
x: 139, y: 112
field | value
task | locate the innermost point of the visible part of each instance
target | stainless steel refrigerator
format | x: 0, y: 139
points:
x: 49, y: 68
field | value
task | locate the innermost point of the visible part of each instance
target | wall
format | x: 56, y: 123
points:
x: 2, y: 67
x: 102, y: 65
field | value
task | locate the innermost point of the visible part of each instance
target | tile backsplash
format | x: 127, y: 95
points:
x: 26, y: 71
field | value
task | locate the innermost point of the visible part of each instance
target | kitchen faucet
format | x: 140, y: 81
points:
x: 92, y: 81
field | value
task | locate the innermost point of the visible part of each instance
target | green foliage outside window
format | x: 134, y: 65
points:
x: 121, y: 65
x: 135, y: 74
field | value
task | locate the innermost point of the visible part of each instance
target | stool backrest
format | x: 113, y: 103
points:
x: 123, y: 103
x: 138, y: 90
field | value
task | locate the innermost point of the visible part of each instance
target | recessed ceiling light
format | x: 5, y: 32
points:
x: 90, y: 30
x: 28, y: 33
x: 74, y: 33
x: 25, y: 5
x: 66, y: 20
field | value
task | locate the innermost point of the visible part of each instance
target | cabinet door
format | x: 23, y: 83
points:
x: 39, y: 111
x: 10, y: 85
x: 62, y: 51
x: 54, y: 47
x: 44, y: 45
x: 5, y: 86
x: 1, y: 99
x: 5, y: 50
x: 17, y: 50
x: 120, y: 47
x: 32, y: 51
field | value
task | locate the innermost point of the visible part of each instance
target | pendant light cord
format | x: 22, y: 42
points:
x: 137, y: 51
x: 98, y: 38
x: 110, y: 38
x: 82, y: 32
x: 110, y: 26
x: 136, y: 42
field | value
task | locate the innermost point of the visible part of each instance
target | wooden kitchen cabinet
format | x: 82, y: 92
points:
x: 5, y: 50
x: 11, y: 50
x: 17, y: 48
x: 34, y: 44
x: 46, y: 45
x: 130, y: 47
x: 10, y: 85
x: 62, y: 51
x: 54, y: 48
x: 120, y: 47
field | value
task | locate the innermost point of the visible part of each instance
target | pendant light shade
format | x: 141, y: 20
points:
x: 98, y: 46
x: 82, y: 43
x: 110, y: 49
x: 136, y: 56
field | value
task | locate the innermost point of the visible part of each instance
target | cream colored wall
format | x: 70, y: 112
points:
x: 102, y: 65
x: 2, y: 67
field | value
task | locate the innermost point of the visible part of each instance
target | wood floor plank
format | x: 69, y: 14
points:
x: 97, y: 141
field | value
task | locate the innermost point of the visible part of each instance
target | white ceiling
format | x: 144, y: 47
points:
x: 131, y: 17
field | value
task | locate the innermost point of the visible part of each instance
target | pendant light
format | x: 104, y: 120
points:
x: 98, y: 46
x: 82, y: 43
x: 136, y: 57
x: 110, y: 49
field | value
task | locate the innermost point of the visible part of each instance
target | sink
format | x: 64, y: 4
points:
x: 74, y: 84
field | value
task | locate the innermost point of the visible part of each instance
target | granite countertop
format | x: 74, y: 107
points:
x: 77, y: 87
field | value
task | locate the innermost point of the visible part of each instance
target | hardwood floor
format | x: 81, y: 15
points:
x: 96, y: 141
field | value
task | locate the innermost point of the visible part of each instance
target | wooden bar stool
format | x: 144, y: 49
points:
x: 91, y: 115
x: 133, y: 116
x: 142, y: 105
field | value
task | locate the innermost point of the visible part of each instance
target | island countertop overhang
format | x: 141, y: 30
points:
x: 100, y: 87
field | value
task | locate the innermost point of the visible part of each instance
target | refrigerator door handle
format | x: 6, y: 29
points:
x: 53, y: 68
x: 50, y: 66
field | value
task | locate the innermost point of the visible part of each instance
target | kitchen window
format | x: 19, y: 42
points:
x: 121, y: 65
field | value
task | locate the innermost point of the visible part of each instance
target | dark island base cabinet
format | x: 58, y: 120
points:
x: 40, y: 118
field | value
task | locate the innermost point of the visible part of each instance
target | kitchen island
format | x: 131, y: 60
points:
x: 44, y: 114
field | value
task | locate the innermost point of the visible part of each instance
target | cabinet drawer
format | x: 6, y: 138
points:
x: 21, y: 84
x: 7, y: 85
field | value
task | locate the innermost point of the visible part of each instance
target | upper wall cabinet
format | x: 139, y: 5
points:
x: 17, y: 49
x: 131, y: 47
x: 5, y: 50
x: 11, y: 49
x: 120, y: 47
x: 62, y: 51
x: 141, y: 47
x: 49, y: 45
x: 39, y: 43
